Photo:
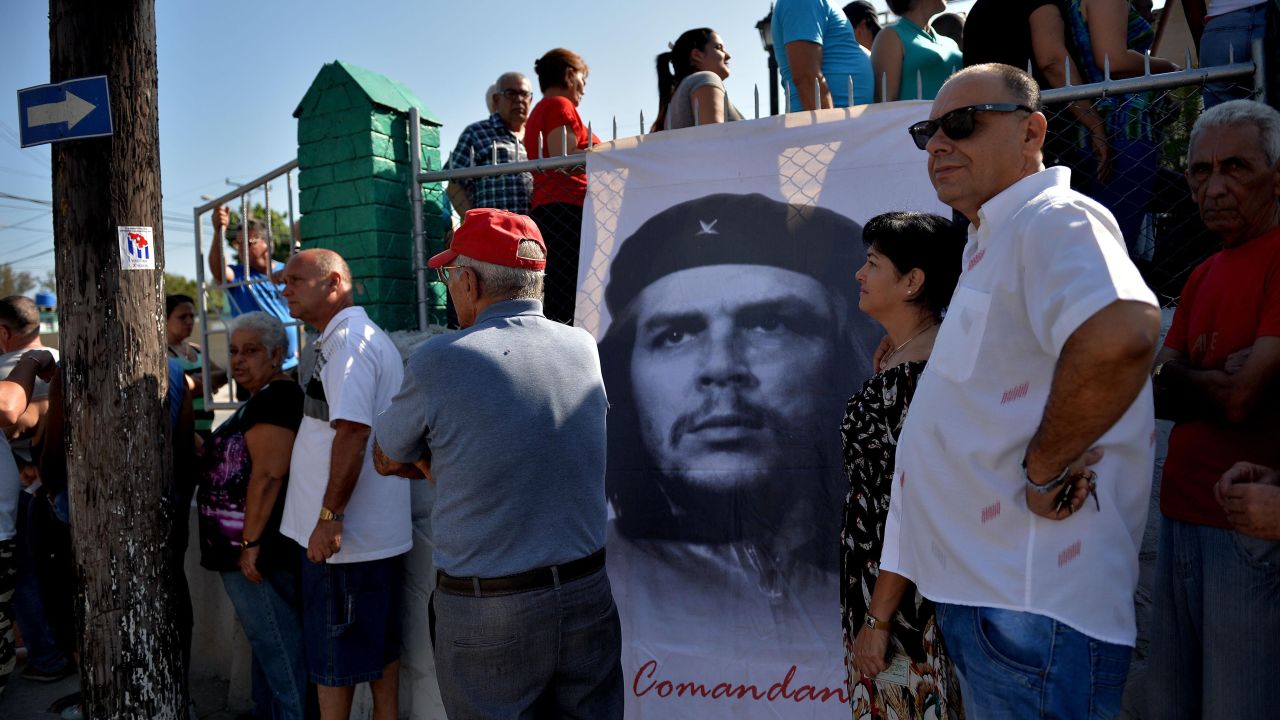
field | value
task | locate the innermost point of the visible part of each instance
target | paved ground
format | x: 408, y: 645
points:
x: 26, y: 700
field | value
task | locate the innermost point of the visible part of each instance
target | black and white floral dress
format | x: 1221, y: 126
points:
x: 869, y: 435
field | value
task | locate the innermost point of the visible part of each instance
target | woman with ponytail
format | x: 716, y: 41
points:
x: 692, y: 76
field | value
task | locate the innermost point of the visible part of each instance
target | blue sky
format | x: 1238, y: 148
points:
x: 231, y: 74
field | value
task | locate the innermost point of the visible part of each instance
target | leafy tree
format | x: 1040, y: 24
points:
x: 180, y: 285
x: 280, y: 236
x: 13, y: 282
x: 50, y: 282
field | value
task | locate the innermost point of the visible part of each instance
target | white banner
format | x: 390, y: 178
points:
x: 717, y: 274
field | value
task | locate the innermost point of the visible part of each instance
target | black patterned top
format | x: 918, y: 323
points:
x: 869, y: 435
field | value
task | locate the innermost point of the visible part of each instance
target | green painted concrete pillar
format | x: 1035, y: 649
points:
x: 354, y: 179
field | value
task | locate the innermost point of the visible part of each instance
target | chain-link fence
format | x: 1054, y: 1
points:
x: 1141, y: 176
x: 1133, y: 162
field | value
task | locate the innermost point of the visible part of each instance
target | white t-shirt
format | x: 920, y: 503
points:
x: 360, y: 370
x: 1044, y: 260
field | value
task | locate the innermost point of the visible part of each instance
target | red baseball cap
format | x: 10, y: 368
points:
x: 493, y: 236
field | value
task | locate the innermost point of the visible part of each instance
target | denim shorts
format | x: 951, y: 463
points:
x: 350, y: 619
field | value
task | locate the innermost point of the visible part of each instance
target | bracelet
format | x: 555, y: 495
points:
x: 1049, y: 486
x: 246, y: 544
x: 327, y: 514
x: 875, y: 624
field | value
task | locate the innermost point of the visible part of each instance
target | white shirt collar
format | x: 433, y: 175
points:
x: 1010, y: 200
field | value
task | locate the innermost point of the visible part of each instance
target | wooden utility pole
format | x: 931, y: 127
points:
x: 114, y: 368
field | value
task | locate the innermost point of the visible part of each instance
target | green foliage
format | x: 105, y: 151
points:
x: 1182, y: 110
x: 280, y: 237
x: 14, y: 282
x: 179, y: 285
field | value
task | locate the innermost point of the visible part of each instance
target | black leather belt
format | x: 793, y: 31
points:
x: 536, y: 579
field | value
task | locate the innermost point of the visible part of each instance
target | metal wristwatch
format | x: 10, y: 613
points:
x: 1048, y: 487
x: 327, y: 514
x: 871, y: 622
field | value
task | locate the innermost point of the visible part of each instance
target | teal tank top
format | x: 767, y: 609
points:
x: 928, y: 59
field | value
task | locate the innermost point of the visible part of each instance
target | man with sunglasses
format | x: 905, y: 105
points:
x: 264, y: 275
x: 494, y: 140
x: 508, y: 414
x: 1024, y: 466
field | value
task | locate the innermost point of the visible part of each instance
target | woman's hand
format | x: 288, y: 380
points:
x: 871, y: 651
x: 249, y: 564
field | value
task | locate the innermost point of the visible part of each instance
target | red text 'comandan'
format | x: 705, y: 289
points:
x: 646, y: 684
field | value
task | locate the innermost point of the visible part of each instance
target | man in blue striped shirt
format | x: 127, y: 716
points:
x: 263, y: 292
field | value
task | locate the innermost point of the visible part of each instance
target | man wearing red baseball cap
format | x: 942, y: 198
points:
x: 509, y: 415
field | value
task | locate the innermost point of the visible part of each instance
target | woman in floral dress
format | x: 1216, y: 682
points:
x: 895, y: 663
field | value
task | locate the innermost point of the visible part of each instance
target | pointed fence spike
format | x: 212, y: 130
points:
x: 919, y: 85
x: 1066, y: 65
x: 817, y: 94
x: 493, y: 154
x: 695, y: 112
x: 1187, y: 65
x: 615, y: 127
x: 1146, y: 64
x: 757, y: 101
x: 1106, y: 68
x: 471, y: 151
x: 850, y: 89
x: 642, y: 122
x: 884, y: 87
x: 540, y: 147
x: 590, y: 135
x: 1029, y: 68
x: 1231, y: 53
x: 564, y: 140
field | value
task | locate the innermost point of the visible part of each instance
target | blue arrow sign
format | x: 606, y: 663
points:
x: 68, y: 110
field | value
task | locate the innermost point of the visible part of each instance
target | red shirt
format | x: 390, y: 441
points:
x: 1230, y: 301
x: 556, y: 187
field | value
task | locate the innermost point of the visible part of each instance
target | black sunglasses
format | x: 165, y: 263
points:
x: 959, y: 123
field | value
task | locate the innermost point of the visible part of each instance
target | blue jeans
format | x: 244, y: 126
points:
x: 539, y: 654
x: 1019, y: 665
x: 1231, y: 36
x: 269, y: 614
x: 1215, y: 624
x: 43, y: 653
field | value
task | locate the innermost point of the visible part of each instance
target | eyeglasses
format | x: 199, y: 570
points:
x: 513, y: 94
x: 442, y: 272
x: 959, y: 123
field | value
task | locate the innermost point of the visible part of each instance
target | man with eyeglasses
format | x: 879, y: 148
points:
x: 1024, y: 466
x: 264, y: 287
x: 508, y: 414
x: 492, y: 141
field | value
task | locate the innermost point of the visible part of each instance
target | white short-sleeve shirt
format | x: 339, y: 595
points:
x: 361, y: 371
x: 1044, y: 259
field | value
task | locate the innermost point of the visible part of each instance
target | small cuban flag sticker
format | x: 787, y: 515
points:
x: 137, y: 251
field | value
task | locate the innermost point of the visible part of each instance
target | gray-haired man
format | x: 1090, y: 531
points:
x: 494, y: 140
x: 510, y: 415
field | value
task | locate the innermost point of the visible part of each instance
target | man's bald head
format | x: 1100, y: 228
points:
x: 317, y: 286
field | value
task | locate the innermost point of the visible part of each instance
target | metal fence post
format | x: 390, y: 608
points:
x: 415, y: 207
x: 1258, y: 48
